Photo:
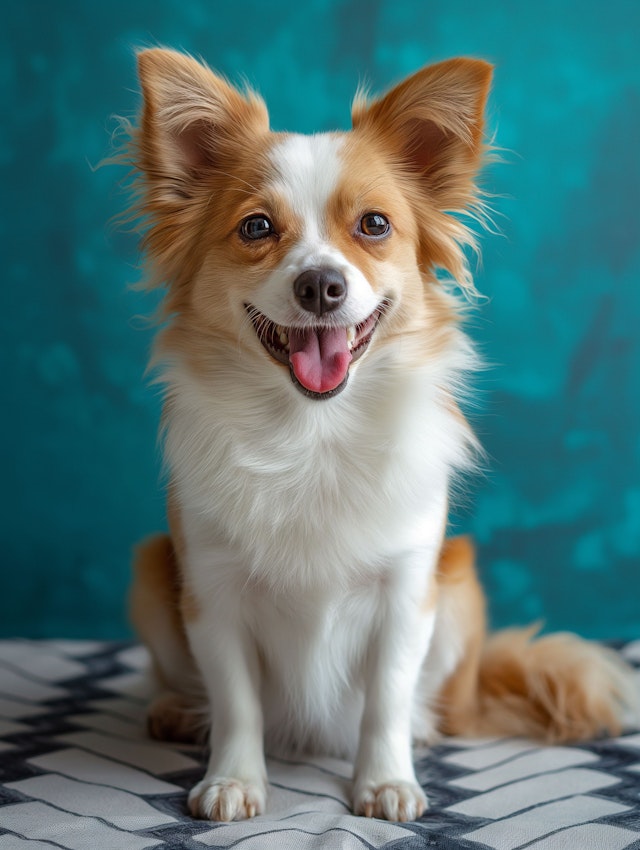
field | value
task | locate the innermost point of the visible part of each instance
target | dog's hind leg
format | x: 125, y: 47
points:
x: 446, y: 697
x: 178, y: 712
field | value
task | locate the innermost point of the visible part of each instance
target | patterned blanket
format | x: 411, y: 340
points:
x: 77, y: 771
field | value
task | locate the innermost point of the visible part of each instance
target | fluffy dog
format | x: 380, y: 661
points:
x: 311, y: 363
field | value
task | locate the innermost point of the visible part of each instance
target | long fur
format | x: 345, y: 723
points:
x: 305, y: 599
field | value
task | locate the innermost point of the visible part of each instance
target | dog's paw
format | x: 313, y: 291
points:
x: 172, y: 717
x: 398, y: 801
x: 223, y: 799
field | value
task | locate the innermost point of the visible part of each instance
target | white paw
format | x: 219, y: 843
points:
x: 223, y: 799
x: 399, y: 801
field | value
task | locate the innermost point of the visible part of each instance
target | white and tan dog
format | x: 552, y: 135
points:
x: 311, y: 362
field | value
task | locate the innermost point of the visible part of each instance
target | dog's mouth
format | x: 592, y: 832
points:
x: 318, y: 356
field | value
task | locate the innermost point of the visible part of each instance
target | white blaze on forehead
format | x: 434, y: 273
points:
x: 308, y: 169
x: 307, y: 172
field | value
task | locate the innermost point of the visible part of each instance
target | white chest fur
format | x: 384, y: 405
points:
x: 305, y: 492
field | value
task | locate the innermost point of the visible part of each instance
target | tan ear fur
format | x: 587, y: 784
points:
x: 435, y: 120
x: 433, y: 125
x: 191, y: 127
x: 191, y: 116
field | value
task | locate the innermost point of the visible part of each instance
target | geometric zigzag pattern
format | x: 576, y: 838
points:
x: 78, y: 772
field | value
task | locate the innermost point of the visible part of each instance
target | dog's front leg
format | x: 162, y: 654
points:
x: 234, y: 785
x: 385, y: 784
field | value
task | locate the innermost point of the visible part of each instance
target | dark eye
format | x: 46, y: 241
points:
x: 374, y: 224
x: 256, y: 227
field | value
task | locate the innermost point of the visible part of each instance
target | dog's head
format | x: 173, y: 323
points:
x: 308, y: 250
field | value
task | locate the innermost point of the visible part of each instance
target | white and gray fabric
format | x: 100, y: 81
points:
x: 77, y: 771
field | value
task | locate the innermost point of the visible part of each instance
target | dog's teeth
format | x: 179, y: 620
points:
x: 279, y: 329
x: 351, y: 335
x: 284, y: 338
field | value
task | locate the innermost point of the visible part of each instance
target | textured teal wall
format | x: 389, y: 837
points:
x: 558, y: 514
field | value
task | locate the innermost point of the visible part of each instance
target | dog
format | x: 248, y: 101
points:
x: 312, y: 360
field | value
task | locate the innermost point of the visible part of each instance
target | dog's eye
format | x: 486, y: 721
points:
x: 374, y: 224
x: 256, y: 227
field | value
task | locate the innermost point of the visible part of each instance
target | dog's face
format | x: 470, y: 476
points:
x: 308, y: 250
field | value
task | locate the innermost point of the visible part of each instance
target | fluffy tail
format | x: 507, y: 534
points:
x: 557, y: 687
x: 554, y: 688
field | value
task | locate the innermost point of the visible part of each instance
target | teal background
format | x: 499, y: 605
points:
x: 557, y: 516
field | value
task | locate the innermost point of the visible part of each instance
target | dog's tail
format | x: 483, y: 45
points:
x: 554, y: 688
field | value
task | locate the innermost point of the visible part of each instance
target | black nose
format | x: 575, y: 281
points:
x: 320, y: 290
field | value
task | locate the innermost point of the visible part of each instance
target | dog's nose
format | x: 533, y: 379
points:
x: 320, y: 290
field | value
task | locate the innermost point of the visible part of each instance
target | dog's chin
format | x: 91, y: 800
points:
x: 331, y: 373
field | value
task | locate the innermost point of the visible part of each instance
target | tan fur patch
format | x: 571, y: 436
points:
x: 187, y: 601
x: 457, y: 560
x: 154, y: 604
x: 156, y: 573
x: 461, y: 590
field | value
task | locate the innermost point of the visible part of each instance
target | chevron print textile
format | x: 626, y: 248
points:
x: 77, y: 771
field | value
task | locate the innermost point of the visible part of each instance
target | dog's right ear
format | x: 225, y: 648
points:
x: 191, y: 120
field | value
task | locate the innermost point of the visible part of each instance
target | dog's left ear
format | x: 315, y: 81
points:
x: 433, y: 122
x: 432, y: 127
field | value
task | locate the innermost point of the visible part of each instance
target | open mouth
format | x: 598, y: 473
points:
x: 318, y: 356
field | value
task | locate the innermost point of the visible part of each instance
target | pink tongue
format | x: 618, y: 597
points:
x: 319, y: 357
